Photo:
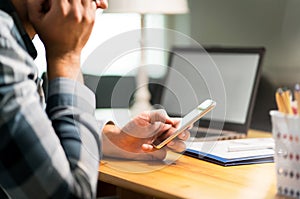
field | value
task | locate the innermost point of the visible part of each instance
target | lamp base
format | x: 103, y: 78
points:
x: 141, y: 101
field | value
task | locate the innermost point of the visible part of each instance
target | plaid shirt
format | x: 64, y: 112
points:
x: 43, y: 154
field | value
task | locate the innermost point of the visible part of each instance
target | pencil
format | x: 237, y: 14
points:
x: 287, y: 101
x: 297, y: 97
x: 280, y: 101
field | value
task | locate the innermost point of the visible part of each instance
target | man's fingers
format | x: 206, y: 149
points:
x: 157, y: 129
x: 161, y: 116
x: 101, y: 4
x: 177, y: 146
x: 152, y: 154
x: 185, y: 135
x: 151, y: 130
x: 177, y: 122
x: 147, y: 147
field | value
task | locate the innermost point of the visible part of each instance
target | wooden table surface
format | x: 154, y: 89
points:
x: 192, y: 178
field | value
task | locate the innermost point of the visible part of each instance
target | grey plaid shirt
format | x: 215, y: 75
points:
x: 43, y: 154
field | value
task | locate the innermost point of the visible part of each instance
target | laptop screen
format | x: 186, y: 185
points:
x: 229, y: 76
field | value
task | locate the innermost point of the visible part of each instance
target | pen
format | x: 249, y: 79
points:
x: 250, y: 147
x: 297, y: 97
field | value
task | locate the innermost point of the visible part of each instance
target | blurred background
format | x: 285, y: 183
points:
x: 269, y: 23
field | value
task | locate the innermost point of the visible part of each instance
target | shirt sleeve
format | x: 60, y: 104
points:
x: 52, y: 154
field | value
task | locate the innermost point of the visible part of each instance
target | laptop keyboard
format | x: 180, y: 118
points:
x: 214, y: 134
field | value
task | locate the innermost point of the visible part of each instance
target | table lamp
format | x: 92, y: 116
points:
x: 142, y: 95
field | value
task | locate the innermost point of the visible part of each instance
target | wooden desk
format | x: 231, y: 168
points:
x: 190, y: 178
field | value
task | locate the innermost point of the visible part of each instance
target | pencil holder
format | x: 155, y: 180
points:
x: 286, y: 133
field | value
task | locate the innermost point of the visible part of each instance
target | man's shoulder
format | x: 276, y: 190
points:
x: 6, y: 23
x: 9, y: 33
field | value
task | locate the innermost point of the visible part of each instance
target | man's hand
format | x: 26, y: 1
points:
x: 64, y: 27
x: 134, y: 141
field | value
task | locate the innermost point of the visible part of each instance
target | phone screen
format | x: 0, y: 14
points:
x: 188, y: 120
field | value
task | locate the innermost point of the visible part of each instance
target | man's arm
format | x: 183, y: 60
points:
x: 54, y: 155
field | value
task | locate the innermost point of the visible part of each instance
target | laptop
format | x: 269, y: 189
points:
x: 228, y: 75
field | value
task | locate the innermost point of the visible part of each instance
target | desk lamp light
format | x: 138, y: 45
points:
x: 142, y: 95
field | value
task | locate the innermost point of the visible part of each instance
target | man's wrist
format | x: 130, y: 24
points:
x: 66, y: 66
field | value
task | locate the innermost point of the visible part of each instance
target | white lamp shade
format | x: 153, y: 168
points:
x: 148, y: 6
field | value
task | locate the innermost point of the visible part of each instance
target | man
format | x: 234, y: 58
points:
x: 54, y: 153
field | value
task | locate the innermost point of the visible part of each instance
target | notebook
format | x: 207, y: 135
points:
x: 234, y: 152
x: 229, y: 76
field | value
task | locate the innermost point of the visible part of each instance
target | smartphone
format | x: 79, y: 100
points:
x: 187, y: 121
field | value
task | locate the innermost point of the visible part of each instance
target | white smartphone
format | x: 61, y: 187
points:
x: 187, y: 120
